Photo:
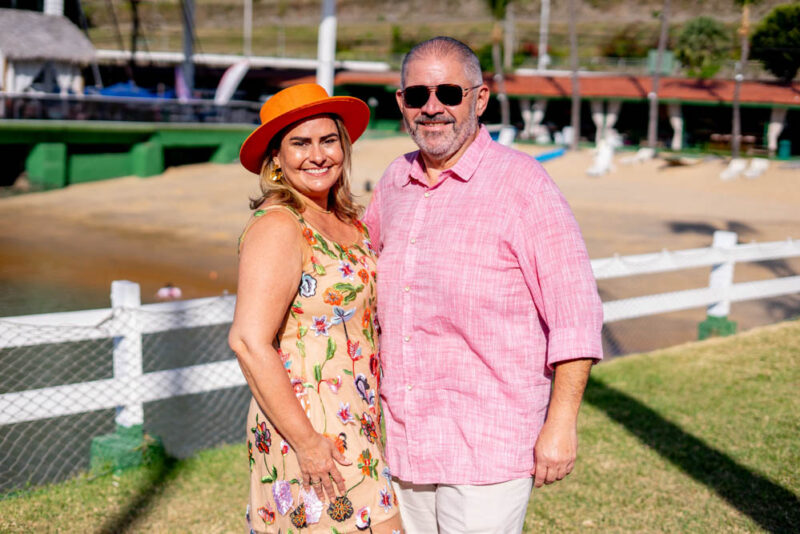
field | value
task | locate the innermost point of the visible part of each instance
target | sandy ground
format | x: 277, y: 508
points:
x: 182, y: 227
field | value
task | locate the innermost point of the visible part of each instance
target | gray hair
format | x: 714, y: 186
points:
x: 442, y: 47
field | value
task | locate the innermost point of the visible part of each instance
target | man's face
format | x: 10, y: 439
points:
x: 440, y: 130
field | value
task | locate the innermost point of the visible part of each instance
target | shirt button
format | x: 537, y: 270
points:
x: 406, y: 289
x: 406, y: 338
x: 427, y: 194
x: 409, y: 387
x: 413, y: 240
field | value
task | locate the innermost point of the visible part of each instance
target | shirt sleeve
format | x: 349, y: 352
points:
x: 555, y: 264
x: 372, y: 218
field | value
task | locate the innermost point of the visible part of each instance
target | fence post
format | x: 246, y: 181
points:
x: 127, y: 446
x: 717, y: 323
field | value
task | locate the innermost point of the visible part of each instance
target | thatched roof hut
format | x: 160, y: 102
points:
x: 33, y: 36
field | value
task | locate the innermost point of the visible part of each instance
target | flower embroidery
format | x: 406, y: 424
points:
x: 309, y: 235
x: 250, y: 454
x: 333, y: 297
x: 267, y: 515
x: 340, y: 509
x: 374, y: 365
x: 308, y: 285
x: 334, y: 383
x: 362, y: 518
x: 321, y: 325
x: 282, y: 493
x: 344, y: 414
x: 362, y: 386
x: 366, y: 318
x: 368, y: 427
x: 386, y: 500
x: 297, y: 307
x: 263, y: 437
x: 368, y: 464
x: 353, y: 350
x: 340, y: 441
x: 302, y: 395
x: 368, y: 244
x: 346, y: 269
x: 340, y: 315
x: 387, y: 474
x: 284, y: 447
x: 364, y: 275
x: 350, y: 256
x: 287, y: 363
x: 298, y: 516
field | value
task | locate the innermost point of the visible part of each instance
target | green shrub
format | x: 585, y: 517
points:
x: 701, y: 45
x: 776, y: 41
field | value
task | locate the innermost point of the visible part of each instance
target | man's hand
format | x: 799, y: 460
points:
x: 554, y: 453
x: 557, y: 445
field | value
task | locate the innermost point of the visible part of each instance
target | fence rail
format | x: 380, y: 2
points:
x: 129, y: 387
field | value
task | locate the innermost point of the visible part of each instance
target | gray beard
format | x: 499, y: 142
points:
x: 448, y: 143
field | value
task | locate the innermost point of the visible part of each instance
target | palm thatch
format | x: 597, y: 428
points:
x: 33, y: 36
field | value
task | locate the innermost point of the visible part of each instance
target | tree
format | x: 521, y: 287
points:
x: 702, y: 45
x: 652, y: 122
x: 776, y: 41
x: 498, y: 10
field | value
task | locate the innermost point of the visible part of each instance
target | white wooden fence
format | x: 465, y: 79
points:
x: 127, y: 320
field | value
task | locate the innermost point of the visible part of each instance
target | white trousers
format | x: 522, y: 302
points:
x: 463, y: 509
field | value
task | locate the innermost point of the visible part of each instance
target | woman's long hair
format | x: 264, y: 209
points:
x: 340, y: 199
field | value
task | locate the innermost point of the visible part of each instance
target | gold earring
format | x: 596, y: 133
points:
x: 277, y: 174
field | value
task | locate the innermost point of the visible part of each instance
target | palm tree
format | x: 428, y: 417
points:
x: 573, y: 61
x: 498, y: 10
x: 744, y: 37
x: 652, y: 123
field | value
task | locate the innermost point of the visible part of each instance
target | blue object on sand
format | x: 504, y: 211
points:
x: 552, y: 154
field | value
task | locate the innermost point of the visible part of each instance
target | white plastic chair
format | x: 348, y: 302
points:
x: 734, y: 169
x: 507, y: 135
x: 757, y: 167
x: 602, y: 160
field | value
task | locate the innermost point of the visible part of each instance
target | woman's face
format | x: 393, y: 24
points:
x: 311, y: 156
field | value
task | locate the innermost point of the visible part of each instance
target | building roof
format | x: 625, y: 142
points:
x: 608, y: 86
x: 30, y: 35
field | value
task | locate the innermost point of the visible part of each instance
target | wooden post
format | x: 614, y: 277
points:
x: 125, y: 298
x: 717, y: 323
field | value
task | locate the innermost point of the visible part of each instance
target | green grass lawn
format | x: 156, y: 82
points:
x: 697, y: 438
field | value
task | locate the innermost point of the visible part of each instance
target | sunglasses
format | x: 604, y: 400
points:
x: 448, y: 94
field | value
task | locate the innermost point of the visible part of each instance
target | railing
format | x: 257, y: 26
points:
x: 106, y: 108
x: 130, y: 384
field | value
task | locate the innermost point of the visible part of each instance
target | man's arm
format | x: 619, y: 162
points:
x: 557, y: 445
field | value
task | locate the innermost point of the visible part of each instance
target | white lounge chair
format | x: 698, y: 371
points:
x: 734, y: 169
x: 507, y: 135
x: 757, y: 167
x: 603, y: 160
x: 643, y: 154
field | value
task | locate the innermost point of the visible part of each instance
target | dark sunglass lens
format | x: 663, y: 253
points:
x: 449, y: 95
x: 415, y: 96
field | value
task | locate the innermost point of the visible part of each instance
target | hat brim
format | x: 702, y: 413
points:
x: 353, y: 112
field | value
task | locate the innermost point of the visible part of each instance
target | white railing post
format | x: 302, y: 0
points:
x: 721, y: 279
x: 125, y: 300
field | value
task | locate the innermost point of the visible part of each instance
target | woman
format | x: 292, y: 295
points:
x: 303, y: 328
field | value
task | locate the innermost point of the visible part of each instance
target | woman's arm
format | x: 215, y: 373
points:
x: 270, y: 267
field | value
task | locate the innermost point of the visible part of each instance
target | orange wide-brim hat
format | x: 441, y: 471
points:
x: 296, y: 103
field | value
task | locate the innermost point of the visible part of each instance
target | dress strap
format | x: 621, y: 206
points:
x: 260, y: 212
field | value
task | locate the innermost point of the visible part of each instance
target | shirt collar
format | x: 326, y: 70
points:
x: 464, y: 168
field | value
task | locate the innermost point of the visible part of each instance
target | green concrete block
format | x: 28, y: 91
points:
x: 92, y: 167
x: 226, y: 153
x: 147, y: 159
x: 125, y: 448
x: 715, y: 326
x: 47, y: 165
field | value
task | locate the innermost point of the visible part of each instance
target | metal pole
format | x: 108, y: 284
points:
x: 326, y: 45
x: 248, y: 27
x: 544, y: 23
x: 575, y: 114
x: 188, y: 44
x: 652, y: 120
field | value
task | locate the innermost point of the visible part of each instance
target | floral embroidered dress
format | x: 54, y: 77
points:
x: 329, y: 348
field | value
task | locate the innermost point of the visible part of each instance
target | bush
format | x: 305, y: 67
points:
x: 701, y: 45
x: 627, y: 42
x: 776, y: 41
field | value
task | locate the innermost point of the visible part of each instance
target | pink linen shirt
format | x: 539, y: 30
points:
x: 484, y: 283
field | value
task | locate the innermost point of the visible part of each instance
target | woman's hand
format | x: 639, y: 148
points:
x: 318, y: 469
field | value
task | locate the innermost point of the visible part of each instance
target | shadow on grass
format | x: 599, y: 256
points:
x: 772, y: 506
x: 125, y: 520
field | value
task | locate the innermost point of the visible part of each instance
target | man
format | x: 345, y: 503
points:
x: 486, y: 296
